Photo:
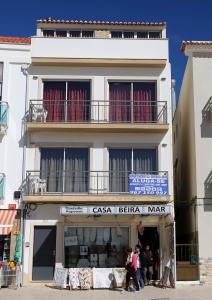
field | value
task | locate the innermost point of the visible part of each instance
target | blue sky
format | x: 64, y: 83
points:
x: 186, y: 19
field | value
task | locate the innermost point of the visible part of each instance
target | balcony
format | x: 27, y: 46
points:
x: 3, y: 117
x: 99, y: 52
x: 97, y: 116
x: 2, y: 179
x: 95, y: 186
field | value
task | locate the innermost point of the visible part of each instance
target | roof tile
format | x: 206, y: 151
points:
x: 194, y: 43
x: 15, y: 40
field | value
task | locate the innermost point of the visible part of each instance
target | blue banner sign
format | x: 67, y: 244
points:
x: 148, y: 184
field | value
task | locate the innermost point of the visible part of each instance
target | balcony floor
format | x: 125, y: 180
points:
x: 98, y: 127
x: 101, y: 198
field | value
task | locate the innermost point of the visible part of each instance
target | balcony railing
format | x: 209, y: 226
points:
x: 86, y: 182
x: 2, y: 179
x: 3, y: 114
x: 94, y: 111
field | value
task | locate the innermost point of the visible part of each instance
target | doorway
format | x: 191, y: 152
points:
x: 44, y: 251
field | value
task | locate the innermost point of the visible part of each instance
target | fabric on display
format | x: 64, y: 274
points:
x: 102, y: 259
x: 119, y: 232
x: 85, y: 278
x: 86, y: 236
x: 74, y: 278
x: 106, y: 235
x: 92, y: 234
x: 102, y: 278
x: 83, y: 263
x: 99, y: 238
x: 80, y: 235
x: 119, y: 276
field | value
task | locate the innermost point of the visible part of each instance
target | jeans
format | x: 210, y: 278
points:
x: 139, y: 277
x: 150, y: 273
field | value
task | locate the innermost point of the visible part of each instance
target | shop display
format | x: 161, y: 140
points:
x: 74, y: 278
x: 102, y: 247
x: 102, y: 278
x: 119, y: 277
x: 4, y: 248
x: 85, y: 278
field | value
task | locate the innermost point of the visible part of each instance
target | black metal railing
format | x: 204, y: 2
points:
x: 187, y: 253
x: 84, y: 182
x: 97, y: 111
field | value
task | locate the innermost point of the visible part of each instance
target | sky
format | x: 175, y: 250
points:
x: 186, y: 19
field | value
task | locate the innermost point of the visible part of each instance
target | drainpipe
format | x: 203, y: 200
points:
x: 24, y: 69
x: 173, y: 96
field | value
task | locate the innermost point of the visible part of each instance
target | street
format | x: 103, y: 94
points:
x: 195, y: 292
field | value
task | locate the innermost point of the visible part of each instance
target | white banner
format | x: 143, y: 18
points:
x: 116, y: 210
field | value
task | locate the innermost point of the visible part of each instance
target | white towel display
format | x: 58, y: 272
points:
x: 102, y: 278
x: 106, y: 235
x: 92, y: 234
x: 74, y: 278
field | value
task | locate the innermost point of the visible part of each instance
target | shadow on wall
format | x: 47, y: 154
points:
x: 208, y: 192
x: 206, y: 126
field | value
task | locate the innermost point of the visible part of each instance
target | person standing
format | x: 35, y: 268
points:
x: 139, y: 275
x: 131, y: 267
x: 148, y: 265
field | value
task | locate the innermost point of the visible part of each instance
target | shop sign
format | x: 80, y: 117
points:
x: 116, y: 210
x: 148, y: 184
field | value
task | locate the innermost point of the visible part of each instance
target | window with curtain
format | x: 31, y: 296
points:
x: 65, y: 169
x: 122, y: 162
x: 132, y: 102
x: 67, y: 101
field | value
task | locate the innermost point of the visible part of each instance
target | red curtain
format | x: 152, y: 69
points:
x: 78, y: 104
x: 54, y: 100
x: 119, y: 102
x: 143, y: 102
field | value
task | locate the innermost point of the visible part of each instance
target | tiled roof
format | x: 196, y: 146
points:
x: 194, y: 43
x: 54, y: 21
x: 14, y: 40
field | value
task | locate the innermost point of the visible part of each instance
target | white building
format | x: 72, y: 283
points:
x: 192, y: 156
x: 14, y: 54
x: 98, y: 110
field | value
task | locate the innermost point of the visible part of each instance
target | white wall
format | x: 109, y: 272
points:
x: 99, y: 48
x: 11, y: 145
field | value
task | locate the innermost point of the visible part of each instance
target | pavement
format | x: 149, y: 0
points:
x: 188, y: 292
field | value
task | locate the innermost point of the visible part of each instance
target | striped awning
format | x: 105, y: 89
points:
x: 6, y: 221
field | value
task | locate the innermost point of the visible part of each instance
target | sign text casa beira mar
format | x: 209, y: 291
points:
x: 115, y: 210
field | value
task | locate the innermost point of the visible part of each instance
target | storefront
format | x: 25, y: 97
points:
x: 96, y: 237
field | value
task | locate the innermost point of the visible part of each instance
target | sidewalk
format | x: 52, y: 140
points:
x: 149, y: 293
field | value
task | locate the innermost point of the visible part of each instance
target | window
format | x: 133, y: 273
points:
x: 87, y: 33
x: 132, y: 102
x: 142, y: 34
x: 65, y: 169
x: 61, y: 33
x: 154, y: 34
x: 122, y: 162
x: 48, y: 33
x: 1, y: 79
x: 103, y: 247
x: 67, y: 101
x: 128, y: 35
x: 74, y: 33
x: 116, y: 34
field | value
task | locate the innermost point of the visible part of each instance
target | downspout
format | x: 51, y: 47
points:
x: 173, y: 96
x: 24, y: 69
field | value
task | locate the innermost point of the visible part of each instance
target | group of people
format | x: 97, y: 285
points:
x: 139, y: 266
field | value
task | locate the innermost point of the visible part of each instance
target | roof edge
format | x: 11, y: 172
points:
x: 15, y: 40
x: 184, y: 44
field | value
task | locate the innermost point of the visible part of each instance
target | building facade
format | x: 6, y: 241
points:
x: 97, y: 158
x: 14, y: 55
x: 192, y: 155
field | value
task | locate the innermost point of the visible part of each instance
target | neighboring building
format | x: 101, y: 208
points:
x: 14, y: 54
x: 192, y: 133
x: 98, y: 112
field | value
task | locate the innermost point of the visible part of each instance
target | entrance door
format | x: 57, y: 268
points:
x: 44, y: 252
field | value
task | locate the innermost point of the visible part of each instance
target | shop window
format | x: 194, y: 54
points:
x: 116, y: 34
x: 87, y: 33
x: 142, y: 34
x: 95, y: 246
x: 155, y: 34
x: 128, y: 35
x: 61, y: 33
x: 48, y: 33
x: 4, y: 248
x: 74, y: 33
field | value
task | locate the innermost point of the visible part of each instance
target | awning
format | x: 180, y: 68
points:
x: 6, y: 221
